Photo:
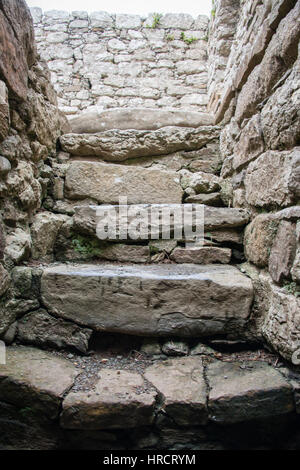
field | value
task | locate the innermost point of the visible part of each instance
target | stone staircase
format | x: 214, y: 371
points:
x: 171, y: 296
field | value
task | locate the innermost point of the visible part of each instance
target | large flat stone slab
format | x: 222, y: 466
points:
x: 154, y: 300
x: 247, y: 391
x: 119, y: 400
x: 136, y: 118
x: 35, y: 379
x: 120, y: 145
x: 182, y: 384
x: 86, y: 218
x: 105, y: 183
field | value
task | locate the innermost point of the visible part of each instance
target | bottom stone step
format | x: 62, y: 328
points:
x: 153, y: 300
x: 155, y: 399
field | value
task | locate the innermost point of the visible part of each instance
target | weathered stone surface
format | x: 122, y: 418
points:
x: 119, y: 400
x: 280, y: 314
x: 4, y: 280
x: 106, y: 183
x: 136, y: 118
x: 182, y: 384
x: 175, y: 348
x: 280, y: 55
x: 295, y: 271
x: 199, y: 182
x: 120, y: 145
x: 283, y: 251
x: 150, y: 347
x: 211, y: 199
x: 247, y: 391
x: 17, y: 44
x: 86, y: 219
x: 44, y: 230
x: 125, y: 253
x: 41, y: 329
x: 18, y: 245
x: 156, y: 300
x: 259, y: 238
x: 250, y: 143
x: 5, y: 166
x: 4, y: 111
x: 271, y: 179
x: 35, y: 379
x: 225, y: 235
x: 201, y: 255
x: 280, y: 117
x: 101, y: 19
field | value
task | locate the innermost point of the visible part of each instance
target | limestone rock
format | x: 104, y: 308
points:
x: 136, y: 118
x: 283, y: 251
x: 17, y: 38
x: 199, y: 182
x: 5, y: 166
x: 150, y: 347
x: 295, y: 271
x: 119, y: 400
x: 154, y: 300
x: 226, y: 235
x: 35, y: 379
x: 4, y: 111
x: 280, y: 55
x: 18, y: 245
x: 280, y: 117
x: 41, y: 329
x: 106, y: 183
x: 175, y: 348
x: 201, y: 255
x: 259, y: 238
x: 280, y: 325
x: 202, y: 350
x: 125, y: 253
x: 182, y: 384
x: 44, y: 230
x: 211, y: 199
x: 228, y: 220
x: 270, y: 180
x: 120, y: 145
x: 247, y: 391
x: 250, y: 143
x: 4, y: 280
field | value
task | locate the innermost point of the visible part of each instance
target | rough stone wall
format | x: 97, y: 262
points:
x: 124, y: 60
x: 258, y: 104
x: 29, y: 127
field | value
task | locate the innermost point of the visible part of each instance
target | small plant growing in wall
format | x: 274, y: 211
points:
x: 170, y: 37
x: 155, y: 20
x: 213, y: 11
x: 187, y: 40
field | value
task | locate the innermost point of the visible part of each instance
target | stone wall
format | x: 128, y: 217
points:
x: 124, y: 60
x: 29, y: 127
x: 257, y: 100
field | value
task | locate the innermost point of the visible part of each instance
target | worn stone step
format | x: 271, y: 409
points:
x: 35, y: 380
x: 119, y: 145
x: 137, y: 118
x: 105, y: 183
x: 201, y: 255
x: 158, y: 300
x: 139, y: 393
x: 223, y: 223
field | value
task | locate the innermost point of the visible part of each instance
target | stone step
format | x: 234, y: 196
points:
x: 105, y: 183
x: 152, y: 300
x: 163, y: 395
x: 223, y: 223
x: 120, y: 145
x: 136, y: 118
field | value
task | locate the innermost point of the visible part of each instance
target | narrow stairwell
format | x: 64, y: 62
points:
x: 124, y: 306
